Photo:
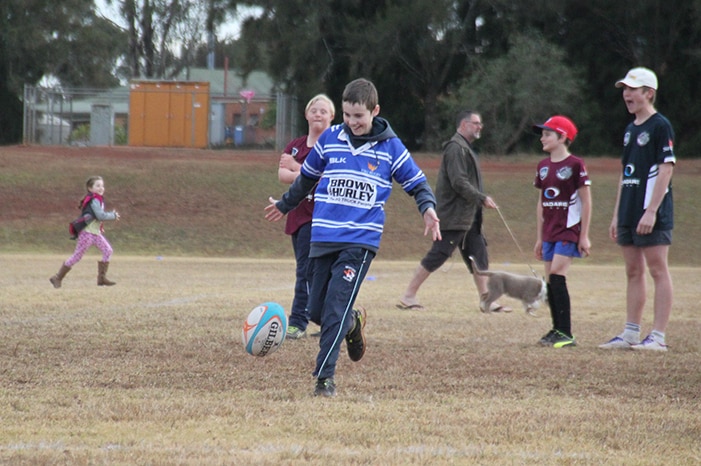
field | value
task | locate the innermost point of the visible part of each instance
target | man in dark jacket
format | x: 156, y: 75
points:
x: 460, y: 199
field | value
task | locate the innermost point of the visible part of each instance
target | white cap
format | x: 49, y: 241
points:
x: 639, y: 77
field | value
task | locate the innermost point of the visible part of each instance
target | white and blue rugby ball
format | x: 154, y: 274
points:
x: 264, y: 329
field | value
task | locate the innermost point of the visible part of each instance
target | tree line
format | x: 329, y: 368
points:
x: 515, y: 62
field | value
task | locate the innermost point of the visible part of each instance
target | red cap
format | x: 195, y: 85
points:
x: 560, y: 124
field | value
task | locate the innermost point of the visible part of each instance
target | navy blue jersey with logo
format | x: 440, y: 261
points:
x: 645, y: 148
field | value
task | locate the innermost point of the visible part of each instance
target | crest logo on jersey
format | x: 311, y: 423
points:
x: 565, y: 173
x: 551, y: 193
x: 349, y: 273
x: 643, y: 138
x: 543, y: 173
x: 629, y: 170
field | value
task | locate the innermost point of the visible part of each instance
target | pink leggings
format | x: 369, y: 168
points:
x: 84, y: 241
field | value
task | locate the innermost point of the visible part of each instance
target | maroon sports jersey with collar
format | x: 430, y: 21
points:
x: 303, y: 212
x: 558, y: 183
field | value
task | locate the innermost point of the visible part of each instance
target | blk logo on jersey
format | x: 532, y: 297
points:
x: 349, y: 273
x: 669, y: 147
x: 543, y: 173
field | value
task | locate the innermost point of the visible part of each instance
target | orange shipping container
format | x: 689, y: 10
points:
x: 169, y: 114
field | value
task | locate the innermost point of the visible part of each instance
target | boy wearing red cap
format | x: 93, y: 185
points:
x: 563, y: 215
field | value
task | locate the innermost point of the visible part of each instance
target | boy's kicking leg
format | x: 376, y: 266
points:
x: 339, y: 321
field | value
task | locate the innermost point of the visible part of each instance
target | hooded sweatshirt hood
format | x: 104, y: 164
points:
x: 381, y: 130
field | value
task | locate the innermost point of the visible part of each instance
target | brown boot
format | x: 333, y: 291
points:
x: 56, y: 279
x: 101, y: 274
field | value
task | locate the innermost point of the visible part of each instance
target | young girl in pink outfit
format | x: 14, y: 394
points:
x: 92, y: 235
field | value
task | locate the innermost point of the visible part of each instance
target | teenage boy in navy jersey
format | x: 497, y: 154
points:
x: 643, y: 217
x: 354, y: 164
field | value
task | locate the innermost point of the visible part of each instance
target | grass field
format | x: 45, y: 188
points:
x: 152, y: 370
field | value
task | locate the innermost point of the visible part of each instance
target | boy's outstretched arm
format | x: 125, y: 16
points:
x: 426, y: 202
x: 277, y: 209
x: 432, y: 223
x: 272, y: 213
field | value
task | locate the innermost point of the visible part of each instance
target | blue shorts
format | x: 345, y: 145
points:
x: 563, y: 248
x: 628, y: 237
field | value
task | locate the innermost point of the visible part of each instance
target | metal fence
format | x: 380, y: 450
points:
x: 51, y: 114
x: 287, y: 119
x: 91, y: 117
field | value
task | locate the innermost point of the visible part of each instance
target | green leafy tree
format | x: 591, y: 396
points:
x: 164, y: 35
x: 411, y: 49
x: 87, y: 57
x: 40, y: 38
x: 514, y: 91
x: 608, y: 38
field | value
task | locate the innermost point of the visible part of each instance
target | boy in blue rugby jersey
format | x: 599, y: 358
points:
x: 352, y: 166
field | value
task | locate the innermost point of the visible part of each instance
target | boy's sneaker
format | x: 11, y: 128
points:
x: 355, y: 340
x: 325, y: 387
x: 295, y: 333
x: 650, y: 344
x: 547, y: 339
x: 617, y: 342
x: 560, y: 340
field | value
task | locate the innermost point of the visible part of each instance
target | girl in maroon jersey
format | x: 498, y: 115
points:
x: 319, y: 112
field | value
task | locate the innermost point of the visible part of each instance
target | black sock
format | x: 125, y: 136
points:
x: 560, y: 305
x: 551, y: 304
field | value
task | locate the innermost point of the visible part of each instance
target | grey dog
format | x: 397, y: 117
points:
x: 530, y: 290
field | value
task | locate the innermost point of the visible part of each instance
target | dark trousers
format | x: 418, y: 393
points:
x: 299, y: 316
x: 470, y: 243
x: 335, y: 283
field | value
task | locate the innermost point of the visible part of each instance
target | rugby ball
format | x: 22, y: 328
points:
x: 264, y: 329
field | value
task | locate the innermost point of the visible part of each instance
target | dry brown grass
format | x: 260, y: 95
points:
x: 210, y: 203
x: 152, y: 371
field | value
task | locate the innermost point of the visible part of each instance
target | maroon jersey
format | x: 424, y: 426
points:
x: 562, y: 207
x: 303, y: 212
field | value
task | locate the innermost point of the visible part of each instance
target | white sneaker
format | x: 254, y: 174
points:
x: 617, y: 343
x: 650, y: 344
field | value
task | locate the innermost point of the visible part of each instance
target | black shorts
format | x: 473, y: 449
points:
x: 470, y: 243
x: 628, y: 237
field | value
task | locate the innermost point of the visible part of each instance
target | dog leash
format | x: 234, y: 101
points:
x: 516, y: 242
